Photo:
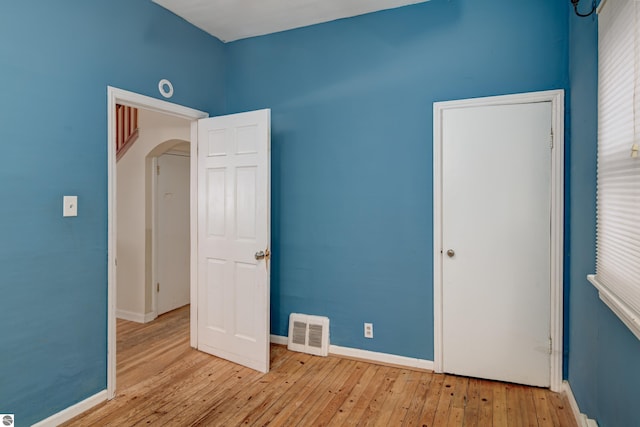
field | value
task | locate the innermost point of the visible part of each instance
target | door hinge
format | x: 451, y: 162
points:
x: 551, y: 142
x: 550, y: 345
x: 158, y: 287
x: 157, y: 169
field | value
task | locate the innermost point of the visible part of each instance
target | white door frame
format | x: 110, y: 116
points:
x: 154, y: 235
x: 120, y: 96
x: 556, y: 97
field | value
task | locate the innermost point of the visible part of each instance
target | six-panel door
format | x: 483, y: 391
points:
x: 234, y: 225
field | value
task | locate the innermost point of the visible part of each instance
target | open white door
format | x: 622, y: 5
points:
x: 233, y: 231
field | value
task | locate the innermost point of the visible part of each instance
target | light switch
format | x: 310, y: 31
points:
x: 70, y: 206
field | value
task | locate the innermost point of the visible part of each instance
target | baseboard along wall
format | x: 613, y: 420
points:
x: 370, y: 356
x: 135, y: 317
x: 581, y: 419
x: 72, y: 411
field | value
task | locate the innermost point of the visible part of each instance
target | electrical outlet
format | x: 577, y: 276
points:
x: 368, y: 330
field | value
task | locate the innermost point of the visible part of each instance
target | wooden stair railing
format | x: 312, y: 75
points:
x: 126, y: 128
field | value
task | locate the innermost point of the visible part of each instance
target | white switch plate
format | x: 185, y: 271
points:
x: 70, y: 206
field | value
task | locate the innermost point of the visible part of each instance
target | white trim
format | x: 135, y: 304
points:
x: 72, y: 411
x: 279, y: 339
x: 175, y: 153
x: 556, y: 97
x: 375, y: 356
x: 624, y: 312
x: 371, y: 356
x: 119, y: 96
x: 437, y: 238
x: 581, y: 419
x: 154, y: 235
x: 193, y: 224
x: 135, y: 317
x: 557, y: 237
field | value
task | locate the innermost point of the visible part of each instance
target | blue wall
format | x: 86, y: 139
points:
x: 352, y: 138
x: 603, y: 366
x: 56, y: 60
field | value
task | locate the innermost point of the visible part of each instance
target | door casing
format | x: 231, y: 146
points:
x: 132, y: 99
x: 556, y: 97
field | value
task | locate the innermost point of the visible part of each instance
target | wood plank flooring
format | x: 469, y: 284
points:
x: 161, y: 381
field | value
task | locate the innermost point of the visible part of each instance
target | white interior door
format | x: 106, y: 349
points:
x: 234, y: 237
x: 172, y: 233
x: 496, y: 216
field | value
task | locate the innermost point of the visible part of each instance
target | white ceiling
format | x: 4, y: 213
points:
x: 230, y: 20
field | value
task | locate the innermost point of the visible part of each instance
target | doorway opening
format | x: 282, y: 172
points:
x: 153, y: 228
x: 144, y: 298
x: 153, y: 240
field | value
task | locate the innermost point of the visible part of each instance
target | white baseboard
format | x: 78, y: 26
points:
x: 381, y: 357
x: 279, y: 339
x: 135, y: 317
x: 371, y: 356
x: 72, y: 411
x: 581, y: 419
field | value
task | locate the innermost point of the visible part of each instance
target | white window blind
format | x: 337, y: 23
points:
x: 618, y: 217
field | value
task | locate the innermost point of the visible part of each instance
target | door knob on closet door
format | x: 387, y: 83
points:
x: 451, y: 253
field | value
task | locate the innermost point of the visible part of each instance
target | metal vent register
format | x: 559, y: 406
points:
x: 309, y: 334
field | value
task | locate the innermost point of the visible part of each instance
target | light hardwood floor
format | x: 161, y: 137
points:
x: 163, y: 382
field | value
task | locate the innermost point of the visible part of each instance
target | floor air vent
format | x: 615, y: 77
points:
x: 309, y: 334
